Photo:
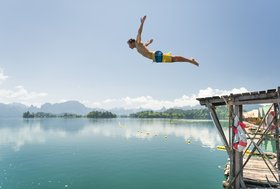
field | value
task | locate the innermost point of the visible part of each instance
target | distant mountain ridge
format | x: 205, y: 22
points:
x: 74, y: 107
x: 17, y: 109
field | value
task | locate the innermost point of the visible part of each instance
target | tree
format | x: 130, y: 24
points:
x: 28, y: 115
x: 97, y: 114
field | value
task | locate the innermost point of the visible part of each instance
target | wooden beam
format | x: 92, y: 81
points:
x: 230, y: 115
x: 256, y: 97
x: 263, y: 101
x: 238, y: 159
x: 252, y: 151
x: 219, y: 127
x: 276, y: 136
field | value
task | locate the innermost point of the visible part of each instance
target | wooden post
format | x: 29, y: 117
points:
x: 237, y: 158
x: 218, y: 126
x: 276, y: 123
x: 230, y: 115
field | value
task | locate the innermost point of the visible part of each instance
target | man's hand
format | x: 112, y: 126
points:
x: 138, y: 38
x: 149, y: 42
x: 143, y: 19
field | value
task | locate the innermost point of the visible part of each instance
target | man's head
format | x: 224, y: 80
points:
x: 131, y: 43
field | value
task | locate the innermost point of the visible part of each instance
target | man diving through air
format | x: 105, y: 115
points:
x: 157, y: 56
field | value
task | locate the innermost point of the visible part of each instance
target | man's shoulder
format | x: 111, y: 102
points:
x: 139, y: 44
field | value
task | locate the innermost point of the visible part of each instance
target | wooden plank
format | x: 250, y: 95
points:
x: 239, y: 94
x: 237, y: 158
x: 254, y: 93
x: 256, y: 169
x: 264, y: 101
x: 255, y: 173
x: 260, y: 97
x: 271, y: 90
x: 276, y: 136
x: 216, y: 97
x: 244, y: 94
x: 219, y: 127
x: 230, y: 129
x: 221, y: 102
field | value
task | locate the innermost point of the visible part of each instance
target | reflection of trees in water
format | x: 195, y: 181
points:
x: 43, y: 130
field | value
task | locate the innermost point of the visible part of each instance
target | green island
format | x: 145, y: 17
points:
x: 172, y: 113
x: 92, y: 114
x: 182, y: 114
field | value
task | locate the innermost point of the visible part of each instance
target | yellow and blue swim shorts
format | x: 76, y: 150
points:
x: 159, y: 57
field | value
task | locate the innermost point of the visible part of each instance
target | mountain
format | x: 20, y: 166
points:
x: 12, y: 110
x: 17, y: 109
x: 74, y: 107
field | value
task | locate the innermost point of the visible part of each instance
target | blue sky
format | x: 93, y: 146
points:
x: 58, y: 50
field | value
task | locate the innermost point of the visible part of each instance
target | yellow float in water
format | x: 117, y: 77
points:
x: 223, y: 148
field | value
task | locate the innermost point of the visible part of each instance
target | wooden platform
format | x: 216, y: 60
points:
x: 257, y: 97
x: 255, y: 173
x: 257, y: 170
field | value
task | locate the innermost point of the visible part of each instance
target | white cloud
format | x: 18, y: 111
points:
x: 19, y: 94
x: 151, y: 103
x: 217, y: 92
x: 22, y: 95
x: 3, y: 77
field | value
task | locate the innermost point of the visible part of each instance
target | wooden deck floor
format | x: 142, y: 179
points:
x: 256, y: 171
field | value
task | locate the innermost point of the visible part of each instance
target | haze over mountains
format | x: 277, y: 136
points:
x: 75, y: 107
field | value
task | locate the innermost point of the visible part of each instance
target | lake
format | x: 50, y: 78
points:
x: 109, y: 153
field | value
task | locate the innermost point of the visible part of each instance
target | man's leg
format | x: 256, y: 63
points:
x: 183, y: 59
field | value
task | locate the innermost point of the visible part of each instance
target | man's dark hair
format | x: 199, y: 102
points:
x: 131, y: 40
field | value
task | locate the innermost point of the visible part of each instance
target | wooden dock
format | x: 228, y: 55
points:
x: 256, y: 173
x: 243, y: 170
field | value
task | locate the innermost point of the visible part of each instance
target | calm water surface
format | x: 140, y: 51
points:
x: 111, y: 154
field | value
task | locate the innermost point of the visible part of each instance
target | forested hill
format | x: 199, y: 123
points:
x: 182, y: 114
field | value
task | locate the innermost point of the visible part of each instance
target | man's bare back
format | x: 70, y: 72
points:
x: 157, y: 56
x: 142, y: 49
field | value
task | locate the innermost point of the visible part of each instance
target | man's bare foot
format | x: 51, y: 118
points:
x: 194, y: 62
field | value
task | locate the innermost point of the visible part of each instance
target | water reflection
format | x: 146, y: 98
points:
x: 17, y: 133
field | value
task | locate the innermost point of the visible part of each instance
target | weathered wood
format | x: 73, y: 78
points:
x: 245, y: 94
x: 231, y: 171
x: 244, y: 98
x: 254, y: 93
x: 267, y: 175
x: 263, y: 101
x: 254, y: 149
x: 276, y: 136
x: 237, y: 158
x: 271, y: 90
x: 219, y: 127
x: 256, y: 171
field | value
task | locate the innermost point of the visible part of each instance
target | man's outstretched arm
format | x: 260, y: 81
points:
x: 149, y: 42
x: 138, y: 39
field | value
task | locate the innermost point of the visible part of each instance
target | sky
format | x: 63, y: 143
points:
x: 58, y: 50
